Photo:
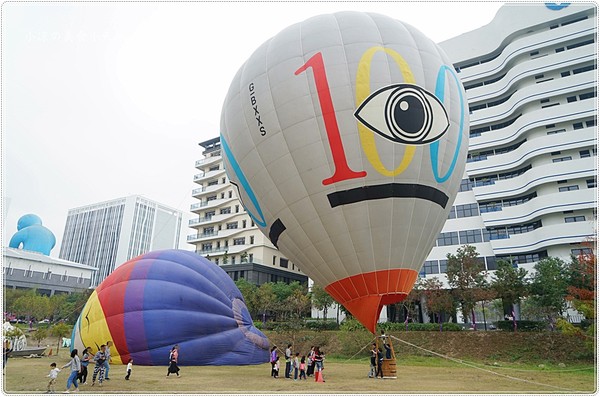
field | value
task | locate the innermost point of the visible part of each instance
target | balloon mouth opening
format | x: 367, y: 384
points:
x: 365, y: 294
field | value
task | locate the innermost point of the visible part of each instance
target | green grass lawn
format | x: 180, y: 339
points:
x: 416, y: 374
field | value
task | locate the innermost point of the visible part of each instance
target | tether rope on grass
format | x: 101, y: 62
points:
x: 482, y: 369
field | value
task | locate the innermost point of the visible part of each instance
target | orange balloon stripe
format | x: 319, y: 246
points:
x: 365, y: 294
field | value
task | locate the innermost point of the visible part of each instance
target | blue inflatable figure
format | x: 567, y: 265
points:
x: 32, y: 236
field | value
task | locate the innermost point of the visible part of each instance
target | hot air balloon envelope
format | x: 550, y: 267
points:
x: 346, y: 135
x: 163, y: 298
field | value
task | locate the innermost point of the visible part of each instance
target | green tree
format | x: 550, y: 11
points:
x: 321, y: 300
x: 439, y: 300
x: 265, y: 300
x: 40, y: 334
x: 510, y: 284
x: 249, y: 292
x: 549, y: 288
x: 60, y: 330
x: 465, y: 276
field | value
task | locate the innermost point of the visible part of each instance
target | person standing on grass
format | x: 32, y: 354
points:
x: 75, y: 366
x: 129, y: 368
x: 99, y: 359
x: 108, y: 360
x: 52, y: 375
x: 173, y: 358
x: 303, y: 368
x: 379, y: 363
x: 373, y: 370
x: 310, y: 370
x: 288, y: 360
x: 319, y: 357
x: 85, y: 360
x: 296, y: 365
x: 274, y: 358
x: 276, y: 368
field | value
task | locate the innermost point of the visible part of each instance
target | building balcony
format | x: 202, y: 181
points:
x: 537, y: 118
x: 540, y: 206
x: 215, y: 158
x: 522, y: 46
x: 551, y: 172
x: 532, y: 148
x: 202, y: 176
x: 203, y: 205
x: 204, y: 190
x: 544, y: 237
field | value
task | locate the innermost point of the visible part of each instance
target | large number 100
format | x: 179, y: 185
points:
x: 342, y: 169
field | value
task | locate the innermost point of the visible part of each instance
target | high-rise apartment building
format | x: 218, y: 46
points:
x: 107, y: 234
x: 226, y: 234
x: 529, y: 189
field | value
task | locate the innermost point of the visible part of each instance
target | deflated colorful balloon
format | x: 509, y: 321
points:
x: 346, y: 135
x: 163, y: 298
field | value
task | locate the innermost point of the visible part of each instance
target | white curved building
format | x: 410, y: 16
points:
x: 529, y: 189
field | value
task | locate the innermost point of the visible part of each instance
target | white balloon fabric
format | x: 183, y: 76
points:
x: 346, y: 135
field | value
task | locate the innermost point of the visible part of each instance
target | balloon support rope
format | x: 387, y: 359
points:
x: 479, y: 368
x: 362, y: 349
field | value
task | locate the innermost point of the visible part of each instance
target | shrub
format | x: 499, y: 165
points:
x: 351, y: 324
x: 320, y: 325
x: 522, y: 325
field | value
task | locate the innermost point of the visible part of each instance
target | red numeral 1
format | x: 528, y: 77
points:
x: 342, y: 170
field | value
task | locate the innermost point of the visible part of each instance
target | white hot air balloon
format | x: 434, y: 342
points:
x: 346, y: 135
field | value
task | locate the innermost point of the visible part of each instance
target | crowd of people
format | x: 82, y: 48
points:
x: 297, y: 367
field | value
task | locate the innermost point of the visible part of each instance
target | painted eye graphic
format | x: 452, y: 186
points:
x: 404, y: 113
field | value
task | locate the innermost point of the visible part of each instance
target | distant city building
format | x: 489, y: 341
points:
x: 226, y: 235
x: 32, y: 270
x: 106, y: 235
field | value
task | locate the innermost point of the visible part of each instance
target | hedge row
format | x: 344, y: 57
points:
x: 421, y: 327
x: 522, y: 325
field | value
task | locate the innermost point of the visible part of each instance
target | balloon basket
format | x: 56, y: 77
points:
x: 388, y: 368
x: 319, y: 376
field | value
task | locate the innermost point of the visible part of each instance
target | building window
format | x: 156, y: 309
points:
x: 274, y: 258
x: 443, y: 265
x: 251, y: 239
x: 239, y: 241
x: 431, y: 267
x: 525, y: 228
x: 211, y: 198
x: 568, y: 188
x: 207, y: 247
x: 470, y: 236
x: 467, y: 210
x: 237, y: 209
x: 581, y: 251
x: 490, y: 207
x: 213, y: 168
x: 452, y: 213
x: 283, y: 262
x: 466, y: 185
x: 208, y: 230
x: 250, y: 258
x: 449, y: 238
x: 491, y: 262
x: 232, y: 225
x: 591, y: 183
x: 571, y: 219
x: 561, y: 159
x: 243, y: 223
x: 225, y: 210
x: 584, y: 153
x: 496, y: 233
x: 524, y: 258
